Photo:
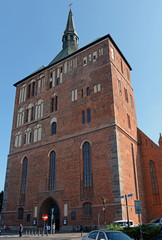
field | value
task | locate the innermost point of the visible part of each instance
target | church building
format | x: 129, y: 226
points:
x: 75, y: 145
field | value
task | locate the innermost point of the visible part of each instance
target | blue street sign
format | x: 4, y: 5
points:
x: 121, y: 196
x: 130, y: 195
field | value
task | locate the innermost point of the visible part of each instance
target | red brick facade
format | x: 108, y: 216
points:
x: 97, y: 79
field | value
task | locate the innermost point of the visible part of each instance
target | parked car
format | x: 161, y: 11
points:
x: 156, y: 222
x: 106, y: 235
x: 123, y: 223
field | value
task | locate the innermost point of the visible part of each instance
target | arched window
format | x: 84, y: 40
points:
x: 22, y: 95
x: 20, y: 213
x: 30, y: 112
x: 52, y: 171
x: 18, y: 139
x: 87, y: 165
x: 87, y: 210
x: 154, y: 184
x: 37, y: 133
x: 27, y: 136
x: 39, y: 109
x: 20, y: 117
x: 24, y: 175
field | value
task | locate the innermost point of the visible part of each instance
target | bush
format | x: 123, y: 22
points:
x: 148, y: 232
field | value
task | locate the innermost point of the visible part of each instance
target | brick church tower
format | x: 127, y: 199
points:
x: 74, y: 139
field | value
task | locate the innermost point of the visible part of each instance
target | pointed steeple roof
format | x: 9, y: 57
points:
x: 70, y: 28
x: 69, y: 39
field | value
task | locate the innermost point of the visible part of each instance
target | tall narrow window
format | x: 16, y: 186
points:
x: 129, y: 122
x: 33, y: 89
x: 20, y: 213
x: 88, y: 115
x: 29, y: 90
x: 83, y: 117
x: 87, y: 165
x: 24, y: 175
x: 87, y: 91
x: 126, y: 94
x: 154, y: 183
x: 56, y: 103
x: 54, y: 128
x: 52, y: 171
x: 52, y: 104
x: 87, y: 210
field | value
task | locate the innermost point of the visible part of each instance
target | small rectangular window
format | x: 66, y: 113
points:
x: 94, y: 56
x: 52, y: 104
x: 99, y: 87
x: 95, y: 89
x: 112, y: 53
x: 90, y: 57
x: 84, y: 61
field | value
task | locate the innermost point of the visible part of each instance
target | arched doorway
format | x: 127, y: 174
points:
x: 49, y: 206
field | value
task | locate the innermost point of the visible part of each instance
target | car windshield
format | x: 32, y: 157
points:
x: 117, y: 236
x: 155, y: 220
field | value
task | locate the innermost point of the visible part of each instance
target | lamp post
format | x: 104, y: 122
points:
x: 104, y: 207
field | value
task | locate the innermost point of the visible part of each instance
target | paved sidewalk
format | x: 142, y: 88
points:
x: 56, y: 236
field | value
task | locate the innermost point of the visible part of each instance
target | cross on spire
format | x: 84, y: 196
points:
x: 70, y: 5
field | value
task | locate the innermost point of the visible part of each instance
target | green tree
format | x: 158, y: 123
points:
x: 1, y: 200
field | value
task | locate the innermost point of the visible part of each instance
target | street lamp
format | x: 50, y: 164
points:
x: 104, y: 207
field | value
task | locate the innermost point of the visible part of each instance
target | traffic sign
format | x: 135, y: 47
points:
x: 130, y: 195
x: 138, y: 207
x: 44, y: 217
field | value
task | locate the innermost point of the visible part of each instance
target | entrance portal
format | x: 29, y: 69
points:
x: 48, y: 207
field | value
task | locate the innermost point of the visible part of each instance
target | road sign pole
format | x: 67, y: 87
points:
x: 127, y: 209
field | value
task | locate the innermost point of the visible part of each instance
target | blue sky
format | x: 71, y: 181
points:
x: 31, y: 36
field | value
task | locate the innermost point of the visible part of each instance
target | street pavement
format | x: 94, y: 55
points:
x: 56, y: 236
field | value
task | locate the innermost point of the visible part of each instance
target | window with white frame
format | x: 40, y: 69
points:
x: 100, y: 51
x: 39, y: 109
x: 41, y: 84
x: 94, y: 56
x: 112, y: 53
x: 97, y: 88
x: 89, y: 57
x: 74, y: 95
x: 30, y: 112
x: 52, y: 79
x: 37, y: 133
x: 59, y: 75
x: 27, y: 136
x: 20, y: 117
x: 84, y: 61
x: 74, y: 62
x: 22, y: 95
x: 18, y: 139
x: 65, y: 67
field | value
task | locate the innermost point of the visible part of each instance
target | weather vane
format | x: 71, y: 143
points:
x: 70, y: 5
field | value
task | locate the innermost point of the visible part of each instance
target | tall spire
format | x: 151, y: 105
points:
x: 69, y: 39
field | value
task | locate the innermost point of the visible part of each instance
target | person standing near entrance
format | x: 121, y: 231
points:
x: 20, y: 230
x: 54, y: 226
